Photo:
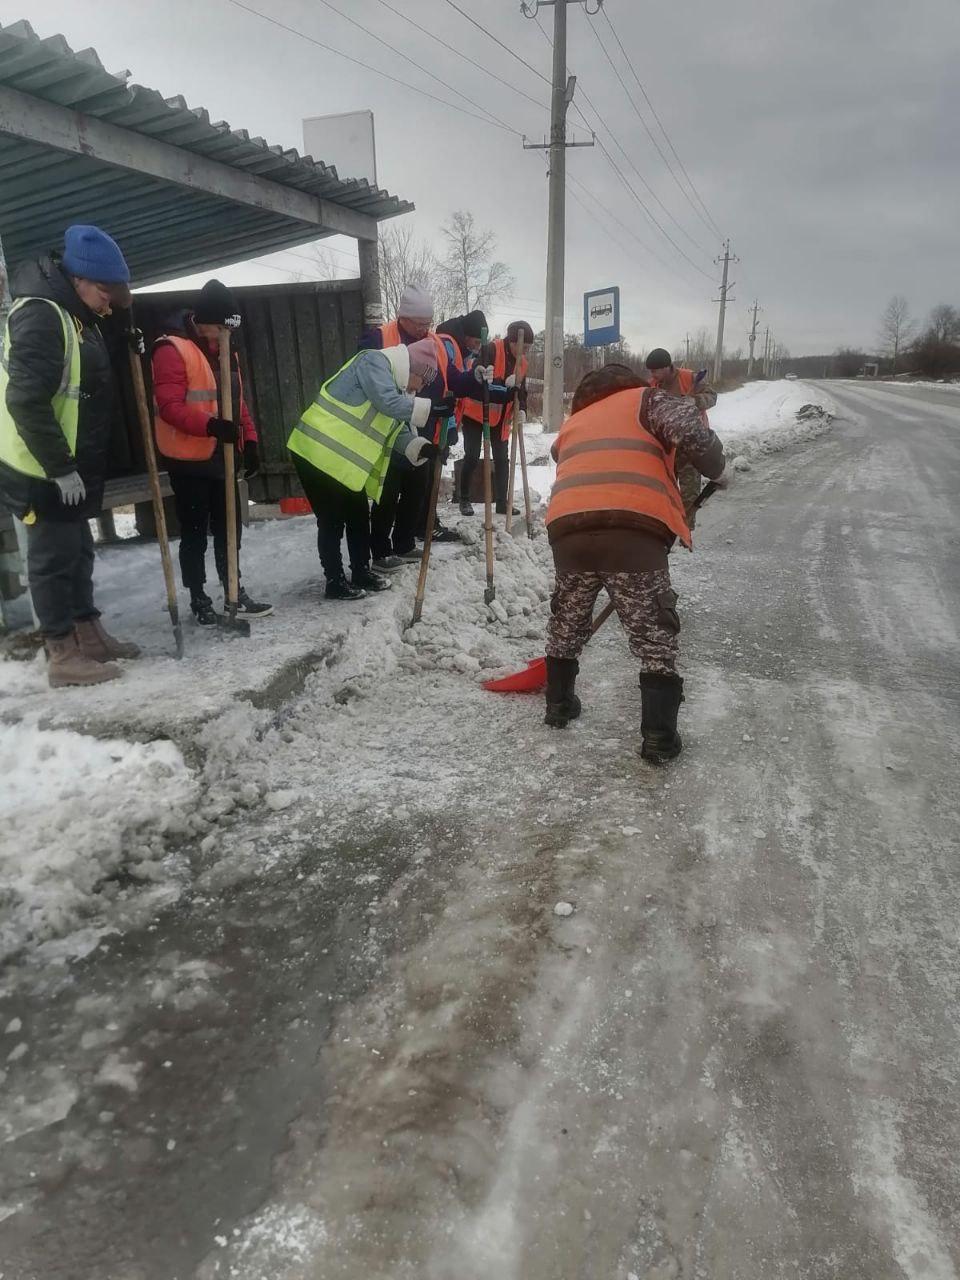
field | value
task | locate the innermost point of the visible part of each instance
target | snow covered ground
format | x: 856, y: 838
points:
x: 107, y: 786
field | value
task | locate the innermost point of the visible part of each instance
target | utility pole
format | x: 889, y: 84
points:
x: 561, y: 97
x: 753, y: 338
x: 766, y: 353
x: 723, y: 300
x: 687, y: 361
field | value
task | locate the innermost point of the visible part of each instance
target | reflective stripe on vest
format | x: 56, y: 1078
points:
x: 351, y: 443
x: 172, y: 441
x: 65, y: 401
x: 501, y: 415
x: 610, y: 462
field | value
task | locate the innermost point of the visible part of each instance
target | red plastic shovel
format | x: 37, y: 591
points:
x: 534, y: 675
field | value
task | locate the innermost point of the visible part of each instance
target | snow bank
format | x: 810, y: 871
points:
x: 73, y: 810
x: 761, y: 417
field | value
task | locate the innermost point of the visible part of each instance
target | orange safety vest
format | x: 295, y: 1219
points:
x: 608, y: 461
x: 202, y: 394
x: 390, y: 336
x: 473, y: 409
x: 686, y: 377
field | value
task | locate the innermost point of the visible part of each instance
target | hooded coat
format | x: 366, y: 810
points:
x: 35, y: 367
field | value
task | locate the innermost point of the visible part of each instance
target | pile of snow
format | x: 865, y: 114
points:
x: 764, y: 417
x: 73, y: 810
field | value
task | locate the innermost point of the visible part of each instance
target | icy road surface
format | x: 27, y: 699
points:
x: 366, y: 1047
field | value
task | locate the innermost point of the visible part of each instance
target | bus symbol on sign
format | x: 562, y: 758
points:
x: 601, y: 317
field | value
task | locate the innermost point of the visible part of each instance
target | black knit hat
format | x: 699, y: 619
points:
x: 515, y: 328
x: 216, y: 305
x: 475, y: 324
x: 659, y: 359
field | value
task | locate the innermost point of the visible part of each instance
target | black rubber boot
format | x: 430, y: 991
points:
x: 563, y: 705
x: 660, y: 696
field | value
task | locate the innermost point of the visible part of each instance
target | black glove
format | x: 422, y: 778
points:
x: 251, y: 459
x: 428, y: 451
x: 137, y: 344
x: 222, y: 430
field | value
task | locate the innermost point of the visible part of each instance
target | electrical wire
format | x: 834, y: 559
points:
x: 656, y: 117
x: 432, y: 75
x: 602, y: 120
x: 302, y: 35
x: 460, y: 54
x: 660, y: 151
x: 506, y: 48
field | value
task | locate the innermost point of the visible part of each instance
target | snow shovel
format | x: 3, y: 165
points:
x: 229, y: 621
x: 156, y: 497
x: 490, y: 593
x: 428, y: 536
x: 534, y: 675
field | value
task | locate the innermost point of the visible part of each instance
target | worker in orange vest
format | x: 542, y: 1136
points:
x: 683, y: 382
x: 500, y: 356
x: 191, y: 435
x: 614, y: 512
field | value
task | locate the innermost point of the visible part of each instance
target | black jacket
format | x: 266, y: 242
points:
x: 35, y: 366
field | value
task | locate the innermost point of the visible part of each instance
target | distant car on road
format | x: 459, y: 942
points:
x: 792, y: 377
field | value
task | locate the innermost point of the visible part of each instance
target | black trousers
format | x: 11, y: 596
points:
x: 337, y: 508
x: 398, y: 519
x: 60, y: 569
x: 472, y: 449
x: 201, y: 502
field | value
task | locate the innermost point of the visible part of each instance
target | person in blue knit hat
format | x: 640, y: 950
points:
x: 57, y: 404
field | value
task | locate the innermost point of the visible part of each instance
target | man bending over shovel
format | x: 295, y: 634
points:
x: 615, y: 511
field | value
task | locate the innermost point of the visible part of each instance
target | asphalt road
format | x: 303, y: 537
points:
x: 736, y: 1060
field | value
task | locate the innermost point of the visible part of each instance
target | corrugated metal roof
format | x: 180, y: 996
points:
x: 165, y: 229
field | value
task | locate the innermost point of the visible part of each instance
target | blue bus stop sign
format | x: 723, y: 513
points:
x: 601, y: 317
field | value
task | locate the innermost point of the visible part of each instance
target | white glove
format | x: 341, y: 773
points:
x: 419, y: 451
x: 72, y: 489
x: 421, y: 412
x: 483, y: 372
x: 510, y: 381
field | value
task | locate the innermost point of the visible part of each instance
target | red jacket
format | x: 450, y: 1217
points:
x: 170, y: 392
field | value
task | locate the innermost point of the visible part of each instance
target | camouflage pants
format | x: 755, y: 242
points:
x: 689, y: 480
x: 646, y: 605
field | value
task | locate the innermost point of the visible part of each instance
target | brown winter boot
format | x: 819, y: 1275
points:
x: 99, y: 645
x: 66, y: 665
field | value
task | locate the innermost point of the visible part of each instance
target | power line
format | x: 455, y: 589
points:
x: 432, y: 75
x: 302, y: 35
x: 603, y: 123
x: 660, y: 151
x: 460, y: 54
x: 504, y: 47
x: 656, y: 117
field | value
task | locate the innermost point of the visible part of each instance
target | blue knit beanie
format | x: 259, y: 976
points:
x: 92, y: 254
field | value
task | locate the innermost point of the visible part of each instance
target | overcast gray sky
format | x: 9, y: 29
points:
x: 821, y: 135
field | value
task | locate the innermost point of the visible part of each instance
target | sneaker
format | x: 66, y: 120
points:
x: 367, y: 580
x: 340, y: 589
x: 202, y: 608
x: 466, y: 508
x: 389, y: 564
x: 247, y: 608
x: 443, y: 534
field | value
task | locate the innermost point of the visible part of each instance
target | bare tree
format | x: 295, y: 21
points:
x: 404, y: 259
x: 896, y: 328
x: 473, y: 276
x: 944, y: 323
